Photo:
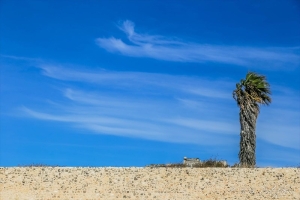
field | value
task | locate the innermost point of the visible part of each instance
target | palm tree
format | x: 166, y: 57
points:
x: 249, y: 94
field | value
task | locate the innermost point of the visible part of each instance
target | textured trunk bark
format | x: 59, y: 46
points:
x: 248, y: 116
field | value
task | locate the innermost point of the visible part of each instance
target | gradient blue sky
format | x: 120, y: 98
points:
x: 130, y: 83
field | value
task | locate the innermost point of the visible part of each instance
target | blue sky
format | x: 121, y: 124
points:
x: 131, y: 83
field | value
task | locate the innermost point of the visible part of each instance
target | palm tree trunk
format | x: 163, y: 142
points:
x: 248, y: 116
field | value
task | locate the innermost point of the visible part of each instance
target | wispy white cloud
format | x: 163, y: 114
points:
x: 177, y: 109
x: 280, y: 134
x: 170, y: 49
x: 152, y: 129
x: 121, y: 108
x: 280, y: 125
x: 206, y: 125
x: 22, y: 58
x: 147, y: 81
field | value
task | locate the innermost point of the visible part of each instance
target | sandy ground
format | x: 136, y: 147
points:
x: 149, y: 183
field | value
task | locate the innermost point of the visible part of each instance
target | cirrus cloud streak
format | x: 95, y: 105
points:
x: 169, y: 49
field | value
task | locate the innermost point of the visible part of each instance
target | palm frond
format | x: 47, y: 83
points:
x: 254, y: 85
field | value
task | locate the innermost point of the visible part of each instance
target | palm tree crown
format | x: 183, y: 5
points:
x: 254, y: 88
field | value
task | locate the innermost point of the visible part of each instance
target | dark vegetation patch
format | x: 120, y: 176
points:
x: 38, y: 165
x: 204, y: 164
